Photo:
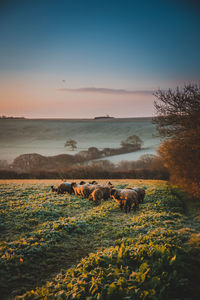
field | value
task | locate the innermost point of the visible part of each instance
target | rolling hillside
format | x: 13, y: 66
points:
x: 47, y: 137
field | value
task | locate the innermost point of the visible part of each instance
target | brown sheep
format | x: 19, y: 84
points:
x: 81, y: 190
x: 126, y: 198
x: 82, y: 182
x: 93, y: 182
x: 106, y: 190
x: 96, y: 195
x: 65, y: 187
x: 91, y: 187
x: 140, y: 192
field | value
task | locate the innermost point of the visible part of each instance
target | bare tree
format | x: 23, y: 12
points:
x: 178, y: 121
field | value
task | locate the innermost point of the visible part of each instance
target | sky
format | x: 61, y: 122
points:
x: 81, y: 58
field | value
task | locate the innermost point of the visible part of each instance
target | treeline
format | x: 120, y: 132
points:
x: 147, y: 167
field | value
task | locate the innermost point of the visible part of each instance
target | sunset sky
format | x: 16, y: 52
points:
x: 80, y: 58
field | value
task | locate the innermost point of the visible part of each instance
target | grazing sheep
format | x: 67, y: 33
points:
x: 106, y: 190
x: 91, y: 187
x: 96, y: 195
x: 93, y: 182
x: 81, y: 190
x: 82, y: 182
x: 53, y: 189
x: 125, y: 198
x: 65, y: 187
x: 140, y: 192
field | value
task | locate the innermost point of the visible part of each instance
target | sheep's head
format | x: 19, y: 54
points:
x: 82, y: 182
x: 53, y: 189
x: 114, y: 192
x: 73, y: 185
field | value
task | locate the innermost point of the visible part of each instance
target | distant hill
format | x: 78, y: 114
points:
x: 103, y: 117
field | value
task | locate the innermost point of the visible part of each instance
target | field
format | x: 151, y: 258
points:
x: 64, y: 247
x: 47, y: 137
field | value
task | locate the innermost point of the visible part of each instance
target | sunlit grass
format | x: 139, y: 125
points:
x: 143, y: 254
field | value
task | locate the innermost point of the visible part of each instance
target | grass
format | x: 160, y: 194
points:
x: 60, y: 246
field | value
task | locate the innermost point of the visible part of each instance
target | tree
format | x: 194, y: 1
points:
x: 72, y: 144
x: 178, y: 121
x: 132, y: 142
x: 94, y: 152
x: 146, y: 160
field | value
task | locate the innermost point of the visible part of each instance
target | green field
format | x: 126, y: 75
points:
x: 64, y: 247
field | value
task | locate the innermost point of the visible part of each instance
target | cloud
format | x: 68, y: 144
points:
x: 107, y: 91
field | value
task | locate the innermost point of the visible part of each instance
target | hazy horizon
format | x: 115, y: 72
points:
x: 74, y: 118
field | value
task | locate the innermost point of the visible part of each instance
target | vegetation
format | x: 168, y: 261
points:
x: 178, y: 120
x: 133, y: 142
x: 147, y: 167
x: 64, y: 247
x: 71, y: 143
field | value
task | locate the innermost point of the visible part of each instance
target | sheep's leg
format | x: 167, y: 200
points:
x: 125, y: 207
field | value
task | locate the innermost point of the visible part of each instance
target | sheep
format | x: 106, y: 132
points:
x: 140, y: 192
x: 106, y: 190
x: 125, y: 198
x: 54, y: 189
x: 82, y: 182
x: 93, y: 182
x: 81, y: 190
x: 96, y: 195
x: 65, y: 187
x: 91, y: 187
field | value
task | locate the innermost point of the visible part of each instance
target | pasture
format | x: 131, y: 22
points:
x: 66, y: 247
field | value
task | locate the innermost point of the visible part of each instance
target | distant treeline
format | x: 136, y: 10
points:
x: 147, y: 167
x: 11, y: 117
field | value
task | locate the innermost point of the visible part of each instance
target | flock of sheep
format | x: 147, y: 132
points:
x: 126, y: 198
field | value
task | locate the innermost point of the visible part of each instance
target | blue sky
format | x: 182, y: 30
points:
x: 53, y: 46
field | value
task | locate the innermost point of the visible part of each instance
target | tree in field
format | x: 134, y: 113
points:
x: 132, y: 142
x: 72, y: 144
x: 94, y: 152
x: 178, y: 121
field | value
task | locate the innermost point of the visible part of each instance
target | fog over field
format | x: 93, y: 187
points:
x: 48, y: 136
